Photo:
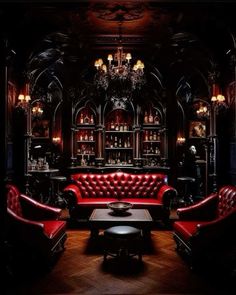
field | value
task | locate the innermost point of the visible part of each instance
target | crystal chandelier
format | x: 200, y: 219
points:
x: 119, y: 69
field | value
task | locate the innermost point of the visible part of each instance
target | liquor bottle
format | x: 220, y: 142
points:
x: 107, y: 144
x: 118, y: 158
x: 128, y: 142
x: 146, y: 136
x: 150, y: 136
x: 129, y: 160
x: 150, y: 118
x: 86, y: 136
x: 151, y: 149
x: 81, y: 118
x: 125, y: 143
x: 120, y: 143
x: 91, y: 136
x: 117, y: 128
x: 125, y: 127
x: 156, y: 119
x: 121, y: 127
x: 109, y: 159
x: 91, y: 119
x: 146, y: 117
x: 115, y: 142
x: 157, y: 151
x: 112, y: 125
x: 111, y: 142
x: 154, y: 135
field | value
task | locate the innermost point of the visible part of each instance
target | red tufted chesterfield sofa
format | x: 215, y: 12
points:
x: 207, y: 229
x: 34, y: 227
x: 88, y: 191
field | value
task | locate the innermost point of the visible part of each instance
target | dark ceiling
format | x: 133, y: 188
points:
x: 156, y: 31
x: 141, y: 22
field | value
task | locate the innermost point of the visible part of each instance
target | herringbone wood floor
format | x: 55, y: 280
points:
x: 80, y: 270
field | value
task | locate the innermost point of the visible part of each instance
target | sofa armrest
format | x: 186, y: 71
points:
x: 203, y: 210
x: 220, y: 229
x: 34, y: 210
x: 23, y: 225
x: 72, y: 194
x: 165, y: 194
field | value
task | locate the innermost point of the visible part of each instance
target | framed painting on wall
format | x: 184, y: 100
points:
x: 40, y: 128
x: 197, y: 129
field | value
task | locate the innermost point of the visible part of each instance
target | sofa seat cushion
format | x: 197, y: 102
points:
x: 54, y: 228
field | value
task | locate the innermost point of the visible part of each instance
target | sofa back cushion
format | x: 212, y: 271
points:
x: 119, y: 185
x: 227, y: 200
x: 13, y: 201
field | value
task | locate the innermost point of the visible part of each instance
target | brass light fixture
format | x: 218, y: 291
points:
x: 119, y: 68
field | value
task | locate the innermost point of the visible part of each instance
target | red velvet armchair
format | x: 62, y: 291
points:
x: 33, y: 226
x: 208, y: 228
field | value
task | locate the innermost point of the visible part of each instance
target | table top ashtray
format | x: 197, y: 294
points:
x: 119, y: 207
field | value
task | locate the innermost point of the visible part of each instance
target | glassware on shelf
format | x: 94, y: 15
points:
x: 146, y: 119
x: 150, y: 117
x: 157, y: 119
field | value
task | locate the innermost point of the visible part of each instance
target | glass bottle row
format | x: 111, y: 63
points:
x: 86, y: 118
x: 87, y: 135
x: 119, y: 158
x: 117, y: 142
x: 150, y: 135
x: 150, y: 118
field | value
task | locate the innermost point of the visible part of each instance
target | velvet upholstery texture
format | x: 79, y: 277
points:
x: 208, y: 227
x: 34, y: 226
x: 88, y: 191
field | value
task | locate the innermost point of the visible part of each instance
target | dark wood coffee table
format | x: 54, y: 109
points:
x: 105, y: 218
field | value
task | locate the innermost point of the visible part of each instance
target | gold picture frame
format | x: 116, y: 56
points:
x: 197, y: 129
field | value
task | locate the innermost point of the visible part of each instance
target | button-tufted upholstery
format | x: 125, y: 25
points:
x: 32, y: 225
x: 90, y: 191
x: 207, y: 225
x: 13, y: 201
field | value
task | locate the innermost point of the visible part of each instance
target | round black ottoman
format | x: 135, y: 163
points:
x: 122, y: 242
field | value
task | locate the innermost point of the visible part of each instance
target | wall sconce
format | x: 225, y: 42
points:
x: 217, y: 99
x: 24, y: 99
x: 56, y: 140
x: 180, y: 140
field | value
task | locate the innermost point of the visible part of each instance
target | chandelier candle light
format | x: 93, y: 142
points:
x: 121, y: 71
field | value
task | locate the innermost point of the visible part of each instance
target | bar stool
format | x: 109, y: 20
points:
x: 122, y: 242
x: 56, y: 195
x: 185, y: 183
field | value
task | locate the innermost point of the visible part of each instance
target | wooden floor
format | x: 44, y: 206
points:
x: 80, y: 270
